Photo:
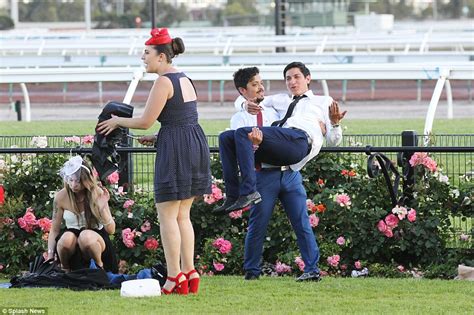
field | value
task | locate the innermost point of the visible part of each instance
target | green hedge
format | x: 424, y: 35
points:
x: 351, y: 213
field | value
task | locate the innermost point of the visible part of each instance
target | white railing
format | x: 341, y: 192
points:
x: 443, y: 73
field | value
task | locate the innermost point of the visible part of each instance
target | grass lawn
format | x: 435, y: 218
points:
x: 213, y: 127
x: 233, y: 295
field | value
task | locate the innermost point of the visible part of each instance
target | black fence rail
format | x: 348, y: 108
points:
x: 453, y: 153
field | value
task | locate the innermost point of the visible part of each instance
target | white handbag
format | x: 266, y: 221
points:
x: 140, y: 288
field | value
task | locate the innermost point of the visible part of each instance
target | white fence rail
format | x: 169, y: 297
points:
x: 443, y: 73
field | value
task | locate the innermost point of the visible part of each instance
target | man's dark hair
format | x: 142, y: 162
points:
x: 296, y: 64
x: 243, y: 76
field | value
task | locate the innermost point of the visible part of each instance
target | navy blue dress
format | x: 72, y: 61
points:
x: 182, y: 165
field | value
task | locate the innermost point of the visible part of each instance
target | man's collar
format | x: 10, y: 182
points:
x: 308, y: 93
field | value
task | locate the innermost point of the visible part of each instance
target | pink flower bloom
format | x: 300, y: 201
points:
x: 343, y: 200
x: 89, y: 139
x: 45, y: 224
x: 381, y: 226
x: 401, y: 268
x: 300, y: 263
x: 146, y: 226
x: 235, y: 214
x: 358, y: 264
x: 222, y: 245
x: 1, y: 267
x: 412, y: 215
x: 334, y: 260
x: 400, y: 211
x: 151, y: 244
x: 218, y: 266
x: 430, y: 164
x: 310, y: 204
x: 417, y: 158
x: 120, y: 191
x: 73, y: 139
x: 313, y: 220
x: 391, y: 220
x: 128, y: 204
x: 464, y: 237
x: 127, y: 237
x: 113, y: 178
x: 281, y: 268
x: 28, y: 221
x: 209, y: 199
x: 340, y: 240
x: 388, y: 233
x: 216, y: 192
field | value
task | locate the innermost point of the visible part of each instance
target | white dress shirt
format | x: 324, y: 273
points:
x: 306, y: 116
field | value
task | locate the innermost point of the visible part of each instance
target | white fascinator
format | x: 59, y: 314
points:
x: 72, y: 168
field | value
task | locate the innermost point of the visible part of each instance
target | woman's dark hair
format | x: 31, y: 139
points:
x: 243, y: 76
x: 172, y: 49
x: 296, y: 64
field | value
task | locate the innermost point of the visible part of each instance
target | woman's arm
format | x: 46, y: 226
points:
x: 161, y: 91
x: 57, y: 218
x: 106, y: 218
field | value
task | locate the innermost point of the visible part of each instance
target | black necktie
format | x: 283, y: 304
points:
x: 291, y: 107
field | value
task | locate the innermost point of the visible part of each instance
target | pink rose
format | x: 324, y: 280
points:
x: 381, y: 226
x: 218, y: 266
x: 313, y: 220
x: 430, y: 164
x: 146, y: 226
x: 391, y: 220
x: 417, y: 158
x: 333, y: 260
x: 216, y: 192
x: 29, y: 217
x: 45, y: 224
x: 113, y: 178
x: 89, y: 139
x: 300, y: 263
x: 128, y: 203
x: 401, y: 268
x: 281, y: 268
x: 209, y: 199
x: 340, y: 240
x: 412, y: 215
x: 236, y: 214
x: 73, y: 139
x: 358, y: 264
x: 343, y: 200
x: 310, y: 205
x: 151, y: 244
x: 388, y: 232
x: 127, y: 237
x: 225, y: 247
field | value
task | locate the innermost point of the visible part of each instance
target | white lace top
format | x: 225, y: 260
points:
x: 75, y: 222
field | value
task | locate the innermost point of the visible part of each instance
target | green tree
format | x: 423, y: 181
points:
x: 239, y: 12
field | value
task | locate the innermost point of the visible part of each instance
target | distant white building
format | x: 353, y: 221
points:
x: 197, y: 4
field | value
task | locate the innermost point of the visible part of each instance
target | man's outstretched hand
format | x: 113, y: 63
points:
x: 334, y: 113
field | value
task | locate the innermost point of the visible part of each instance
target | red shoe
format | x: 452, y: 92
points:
x: 193, y: 283
x: 179, y: 287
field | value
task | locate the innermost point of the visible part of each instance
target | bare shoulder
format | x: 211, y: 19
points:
x: 61, y: 197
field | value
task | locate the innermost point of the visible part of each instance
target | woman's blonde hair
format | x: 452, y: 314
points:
x: 93, y: 193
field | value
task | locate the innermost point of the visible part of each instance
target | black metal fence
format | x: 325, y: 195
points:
x: 453, y: 153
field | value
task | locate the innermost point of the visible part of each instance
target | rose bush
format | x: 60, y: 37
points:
x: 351, y: 214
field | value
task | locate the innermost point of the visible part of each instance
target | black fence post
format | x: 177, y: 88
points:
x: 409, y: 139
x: 126, y: 163
x: 18, y: 110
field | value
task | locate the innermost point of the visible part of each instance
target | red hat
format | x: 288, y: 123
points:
x: 159, y: 36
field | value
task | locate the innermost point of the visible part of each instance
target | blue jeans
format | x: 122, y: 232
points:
x: 288, y: 187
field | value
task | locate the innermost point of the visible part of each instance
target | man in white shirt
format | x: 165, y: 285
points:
x: 273, y: 183
x: 294, y: 145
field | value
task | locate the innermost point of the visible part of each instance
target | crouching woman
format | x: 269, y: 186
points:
x: 83, y: 206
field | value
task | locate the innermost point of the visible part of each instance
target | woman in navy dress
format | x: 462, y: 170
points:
x: 182, y: 166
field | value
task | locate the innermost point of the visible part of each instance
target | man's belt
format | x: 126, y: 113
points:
x: 275, y: 168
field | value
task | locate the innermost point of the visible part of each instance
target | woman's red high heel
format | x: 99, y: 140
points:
x: 179, y: 287
x: 193, y: 283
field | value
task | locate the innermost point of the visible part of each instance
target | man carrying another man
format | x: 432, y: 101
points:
x: 274, y: 178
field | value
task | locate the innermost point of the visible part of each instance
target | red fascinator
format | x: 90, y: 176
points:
x: 159, y: 36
